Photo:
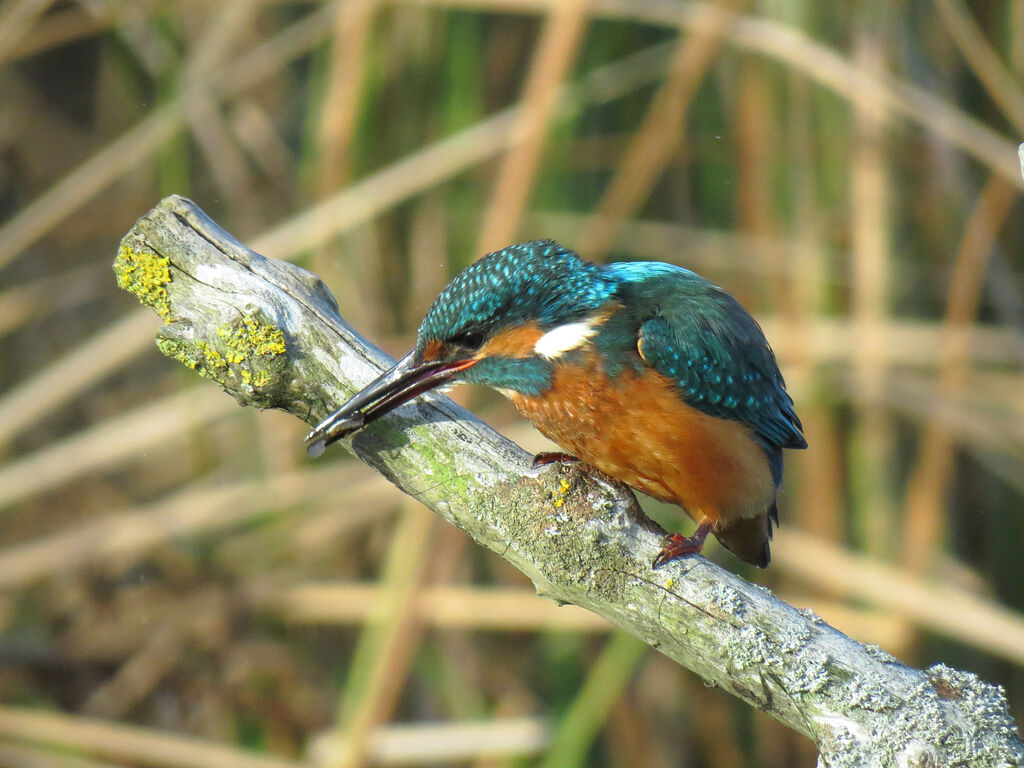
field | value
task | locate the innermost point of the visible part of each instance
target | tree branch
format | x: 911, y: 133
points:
x: 269, y: 334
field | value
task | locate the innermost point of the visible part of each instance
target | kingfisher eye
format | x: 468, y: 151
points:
x: 471, y: 340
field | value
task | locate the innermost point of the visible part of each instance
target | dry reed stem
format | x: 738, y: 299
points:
x: 34, y: 300
x: 931, y: 477
x: 358, y: 504
x: 822, y: 469
x: 345, y: 75
x: 968, y: 618
x: 662, y: 130
x: 18, y: 306
x: 104, y: 167
x: 266, y: 147
x: 38, y: 133
x: 435, y: 164
x: 497, y: 609
x: 411, y: 175
x: 428, y: 250
x: 193, y: 620
x: 555, y: 53
x: 16, y: 18
x: 58, y: 28
x: 114, y: 441
x: 130, y: 744
x: 425, y: 553
x: 1016, y: 14
x: 40, y: 396
x: 764, y: 36
x: 1001, y: 85
x: 353, y: 206
x: 128, y: 151
x: 389, y: 648
x: 756, y: 124
x: 354, y: 265
x: 123, y: 537
x: 223, y: 31
x: 910, y: 343
x: 718, y: 252
x: 975, y: 418
x: 388, y: 640
x: 18, y: 756
x: 227, y: 23
x: 222, y: 156
x: 818, y: 62
x: 448, y: 742
x: 870, y: 283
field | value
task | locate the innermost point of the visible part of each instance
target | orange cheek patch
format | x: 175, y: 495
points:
x: 512, y: 342
x: 433, y: 350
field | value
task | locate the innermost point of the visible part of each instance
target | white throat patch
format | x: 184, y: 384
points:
x: 560, y: 340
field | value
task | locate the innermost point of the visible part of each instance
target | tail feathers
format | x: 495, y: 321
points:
x: 748, y: 538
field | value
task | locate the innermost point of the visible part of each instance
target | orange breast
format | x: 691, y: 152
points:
x: 635, y: 428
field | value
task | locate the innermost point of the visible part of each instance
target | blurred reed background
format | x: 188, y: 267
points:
x: 179, y: 586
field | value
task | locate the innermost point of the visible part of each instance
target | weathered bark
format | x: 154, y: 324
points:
x: 269, y: 334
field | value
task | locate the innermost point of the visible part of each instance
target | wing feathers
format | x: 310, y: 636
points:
x: 700, y: 337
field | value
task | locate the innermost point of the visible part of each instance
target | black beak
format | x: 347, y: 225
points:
x: 407, y: 379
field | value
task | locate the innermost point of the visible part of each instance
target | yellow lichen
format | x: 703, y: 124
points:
x: 251, y: 337
x: 145, y: 274
x: 560, y: 495
x: 246, y: 352
x: 211, y: 356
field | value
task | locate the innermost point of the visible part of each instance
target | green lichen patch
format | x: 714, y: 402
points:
x: 198, y: 356
x: 177, y: 350
x: 146, y: 274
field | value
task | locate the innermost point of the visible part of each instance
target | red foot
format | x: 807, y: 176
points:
x: 543, y: 459
x: 676, y: 545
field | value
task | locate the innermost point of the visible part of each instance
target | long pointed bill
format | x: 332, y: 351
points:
x: 402, y: 383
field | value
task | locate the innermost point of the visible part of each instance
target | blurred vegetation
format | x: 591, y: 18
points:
x: 179, y: 586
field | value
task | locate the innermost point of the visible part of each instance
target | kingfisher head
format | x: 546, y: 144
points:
x: 502, y: 322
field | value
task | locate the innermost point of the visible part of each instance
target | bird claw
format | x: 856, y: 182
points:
x: 553, y: 457
x: 676, y: 545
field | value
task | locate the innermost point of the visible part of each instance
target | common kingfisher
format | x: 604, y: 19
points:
x: 646, y: 371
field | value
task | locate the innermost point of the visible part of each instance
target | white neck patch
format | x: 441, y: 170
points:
x: 560, y: 340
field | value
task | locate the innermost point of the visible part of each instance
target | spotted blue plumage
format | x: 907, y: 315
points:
x: 539, y: 280
x: 690, y: 330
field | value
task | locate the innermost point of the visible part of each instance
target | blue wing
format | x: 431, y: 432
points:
x: 699, y: 336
